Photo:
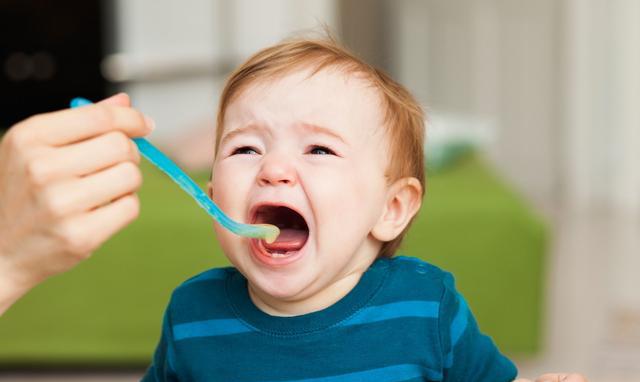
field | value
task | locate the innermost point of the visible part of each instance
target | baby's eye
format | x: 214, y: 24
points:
x: 244, y: 150
x: 321, y: 150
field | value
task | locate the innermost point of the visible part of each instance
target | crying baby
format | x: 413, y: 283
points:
x: 329, y: 149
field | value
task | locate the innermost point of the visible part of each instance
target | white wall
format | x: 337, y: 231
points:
x: 257, y: 24
x: 603, y: 105
x: 165, y: 37
x: 489, y: 60
x: 174, y: 55
x: 558, y: 79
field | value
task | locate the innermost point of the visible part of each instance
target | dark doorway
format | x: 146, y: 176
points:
x: 50, y: 52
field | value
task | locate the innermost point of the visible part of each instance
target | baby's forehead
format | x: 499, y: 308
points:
x: 331, y: 97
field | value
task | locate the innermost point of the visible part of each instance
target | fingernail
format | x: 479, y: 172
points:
x: 151, y: 124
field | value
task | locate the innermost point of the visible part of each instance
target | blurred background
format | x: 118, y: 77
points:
x: 533, y: 149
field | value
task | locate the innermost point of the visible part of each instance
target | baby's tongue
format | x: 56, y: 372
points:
x: 289, y: 240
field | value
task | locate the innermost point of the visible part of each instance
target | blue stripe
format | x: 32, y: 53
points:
x: 459, y: 323
x: 395, y: 373
x: 402, y: 309
x: 448, y: 360
x: 458, y: 326
x: 209, y: 328
x: 223, y: 327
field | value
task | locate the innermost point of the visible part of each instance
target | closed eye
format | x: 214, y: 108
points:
x: 244, y: 150
x: 321, y: 150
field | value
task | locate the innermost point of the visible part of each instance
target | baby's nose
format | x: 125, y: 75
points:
x: 277, y: 170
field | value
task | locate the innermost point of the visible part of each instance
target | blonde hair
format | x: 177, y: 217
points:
x: 403, y: 117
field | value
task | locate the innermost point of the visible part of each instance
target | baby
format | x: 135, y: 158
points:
x: 329, y: 149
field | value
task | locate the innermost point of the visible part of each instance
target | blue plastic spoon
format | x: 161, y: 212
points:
x: 268, y: 232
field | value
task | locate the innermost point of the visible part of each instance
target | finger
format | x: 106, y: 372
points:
x: 85, y: 158
x: 73, y: 125
x: 561, y: 377
x: 93, y: 228
x: 84, y: 194
x: 120, y: 99
x: 521, y: 380
x: 552, y: 377
x: 573, y: 377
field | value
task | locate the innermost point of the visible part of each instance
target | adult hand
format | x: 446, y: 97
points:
x: 67, y: 183
x: 558, y: 377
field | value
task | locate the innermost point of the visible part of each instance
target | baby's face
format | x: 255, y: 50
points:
x: 317, y: 146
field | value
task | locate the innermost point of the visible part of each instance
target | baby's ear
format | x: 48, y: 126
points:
x: 402, y: 203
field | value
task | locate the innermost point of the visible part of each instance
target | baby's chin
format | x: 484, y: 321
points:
x: 281, y: 286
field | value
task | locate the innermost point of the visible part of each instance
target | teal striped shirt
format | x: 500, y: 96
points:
x: 403, y: 321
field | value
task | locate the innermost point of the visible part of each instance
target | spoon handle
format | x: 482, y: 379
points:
x: 267, y: 232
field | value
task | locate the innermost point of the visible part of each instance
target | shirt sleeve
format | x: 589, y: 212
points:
x: 468, y: 355
x: 162, y: 368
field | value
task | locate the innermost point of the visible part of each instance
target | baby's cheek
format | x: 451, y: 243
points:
x: 345, y: 213
x: 230, y: 193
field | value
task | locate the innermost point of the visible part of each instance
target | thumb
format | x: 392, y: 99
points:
x: 120, y: 99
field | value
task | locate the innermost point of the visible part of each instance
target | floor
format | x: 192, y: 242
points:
x: 593, y: 317
x: 593, y: 314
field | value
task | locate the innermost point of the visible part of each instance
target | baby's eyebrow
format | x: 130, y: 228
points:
x: 244, y: 130
x: 310, y: 127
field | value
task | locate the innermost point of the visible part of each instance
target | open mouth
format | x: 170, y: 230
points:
x: 294, y: 230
